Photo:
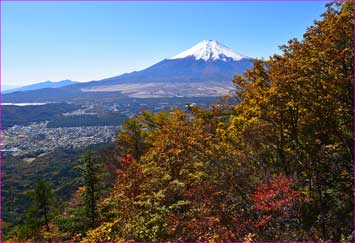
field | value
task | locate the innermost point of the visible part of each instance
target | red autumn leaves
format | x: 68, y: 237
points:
x: 276, y: 195
x: 272, y: 203
x: 277, y: 200
x: 126, y: 161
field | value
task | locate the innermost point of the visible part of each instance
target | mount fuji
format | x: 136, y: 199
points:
x: 204, y: 70
x: 210, y: 50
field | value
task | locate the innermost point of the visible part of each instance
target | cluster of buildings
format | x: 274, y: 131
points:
x: 37, y: 138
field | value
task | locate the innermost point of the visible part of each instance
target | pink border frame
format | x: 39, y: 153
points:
x: 1, y: 233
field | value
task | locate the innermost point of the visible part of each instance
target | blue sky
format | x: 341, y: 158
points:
x: 86, y: 41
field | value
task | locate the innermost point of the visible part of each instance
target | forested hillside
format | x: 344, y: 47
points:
x: 278, y: 166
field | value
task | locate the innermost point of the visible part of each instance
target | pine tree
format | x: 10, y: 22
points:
x: 90, y: 182
x: 38, y: 215
x: 131, y: 139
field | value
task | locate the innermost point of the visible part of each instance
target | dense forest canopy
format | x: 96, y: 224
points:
x: 278, y: 166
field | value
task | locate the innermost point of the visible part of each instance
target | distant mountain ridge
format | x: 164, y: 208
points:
x: 41, y: 85
x: 205, y: 70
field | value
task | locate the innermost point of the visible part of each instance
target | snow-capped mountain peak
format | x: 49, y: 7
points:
x: 210, y: 50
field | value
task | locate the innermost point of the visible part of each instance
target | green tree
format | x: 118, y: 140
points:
x: 91, y: 186
x: 131, y: 139
x: 137, y: 134
x: 39, y: 214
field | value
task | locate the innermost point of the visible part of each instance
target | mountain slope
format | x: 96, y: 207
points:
x: 184, y: 70
x: 206, y: 69
x: 209, y: 60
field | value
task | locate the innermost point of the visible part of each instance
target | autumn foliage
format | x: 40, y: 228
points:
x: 275, y: 165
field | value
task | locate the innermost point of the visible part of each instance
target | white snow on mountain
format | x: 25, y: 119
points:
x: 210, y: 50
